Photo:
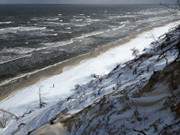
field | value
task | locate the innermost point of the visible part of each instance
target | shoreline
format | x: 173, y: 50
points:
x: 11, y: 86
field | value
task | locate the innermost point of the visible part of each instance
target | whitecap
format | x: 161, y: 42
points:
x: 52, y: 19
x: 81, y: 25
x: 17, y: 50
x: 118, y: 27
x: 20, y: 29
x: 8, y: 22
x: 68, y: 28
x: 89, y: 20
x: 89, y: 35
x: 57, y: 44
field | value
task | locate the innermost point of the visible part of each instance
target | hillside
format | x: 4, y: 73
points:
x: 140, y: 97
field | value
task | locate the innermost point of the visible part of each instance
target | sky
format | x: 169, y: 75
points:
x: 85, y: 1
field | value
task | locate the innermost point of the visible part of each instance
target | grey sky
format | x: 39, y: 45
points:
x: 87, y: 1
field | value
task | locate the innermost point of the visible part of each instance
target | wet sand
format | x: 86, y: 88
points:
x: 11, y: 86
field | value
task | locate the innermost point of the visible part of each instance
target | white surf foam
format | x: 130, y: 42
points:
x: 8, y: 22
x: 20, y: 29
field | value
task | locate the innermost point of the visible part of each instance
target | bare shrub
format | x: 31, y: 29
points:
x: 135, y: 52
x: 5, y: 116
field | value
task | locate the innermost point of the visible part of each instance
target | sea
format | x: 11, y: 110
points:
x: 27, y: 28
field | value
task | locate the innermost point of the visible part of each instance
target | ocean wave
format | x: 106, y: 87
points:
x: 63, y: 23
x: 45, y: 19
x: 57, y: 44
x: 158, y: 19
x: 114, y: 17
x: 53, y: 23
x: 20, y: 29
x: 81, y: 22
x: 8, y: 22
x: 122, y: 16
x: 52, y: 19
x: 113, y: 28
x: 118, y: 27
x: 68, y: 28
x: 89, y: 35
x: 153, y: 12
x: 89, y: 20
x: 77, y: 20
x: 17, y: 50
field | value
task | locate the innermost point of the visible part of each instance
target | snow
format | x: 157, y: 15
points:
x: 60, y: 86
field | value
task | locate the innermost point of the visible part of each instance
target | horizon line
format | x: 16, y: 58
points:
x: 85, y: 3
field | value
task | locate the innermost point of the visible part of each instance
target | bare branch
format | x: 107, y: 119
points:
x: 5, y: 117
x: 4, y: 111
x: 41, y: 103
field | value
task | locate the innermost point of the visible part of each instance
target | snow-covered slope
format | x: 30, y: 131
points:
x: 139, y: 97
x: 150, y: 110
x: 110, y: 102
